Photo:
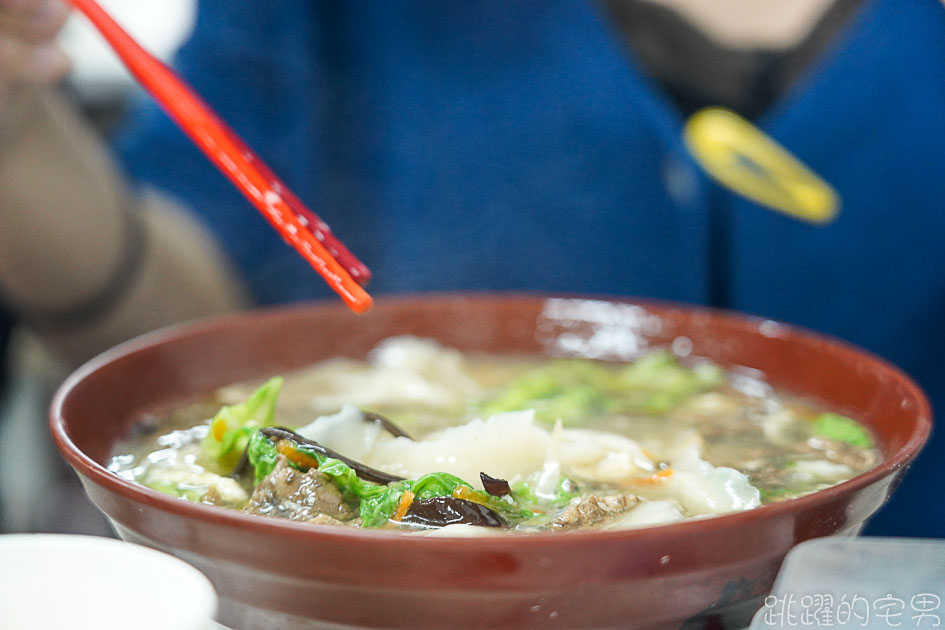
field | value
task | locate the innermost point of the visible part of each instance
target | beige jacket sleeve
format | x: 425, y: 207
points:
x: 83, y: 261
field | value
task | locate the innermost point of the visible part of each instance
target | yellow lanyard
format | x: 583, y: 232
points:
x: 742, y: 158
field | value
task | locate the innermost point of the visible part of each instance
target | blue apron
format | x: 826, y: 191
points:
x: 517, y: 145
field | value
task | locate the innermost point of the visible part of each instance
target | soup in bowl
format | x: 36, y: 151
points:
x: 488, y: 461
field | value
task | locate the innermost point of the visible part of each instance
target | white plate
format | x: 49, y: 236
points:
x: 92, y: 583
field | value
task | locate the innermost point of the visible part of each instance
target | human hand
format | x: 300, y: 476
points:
x: 28, y: 49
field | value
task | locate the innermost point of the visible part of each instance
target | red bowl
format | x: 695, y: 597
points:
x: 273, y: 573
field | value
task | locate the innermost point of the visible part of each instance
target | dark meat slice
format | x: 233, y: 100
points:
x: 443, y: 511
x: 591, y: 509
x: 297, y: 496
x: 495, y: 487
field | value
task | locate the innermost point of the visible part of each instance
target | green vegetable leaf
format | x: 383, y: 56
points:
x: 378, y: 507
x: 658, y: 382
x: 566, y: 491
x: 377, y: 502
x: 180, y: 490
x: 439, y: 484
x: 524, y: 495
x: 839, y: 428
x: 575, y: 390
x: 569, y: 389
x: 772, y: 494
x: 262, y: 455
x: 233, y: 426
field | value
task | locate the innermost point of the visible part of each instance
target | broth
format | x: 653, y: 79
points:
x: 428, y: 440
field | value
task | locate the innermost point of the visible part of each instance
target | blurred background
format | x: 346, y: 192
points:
x: 98, y: 79
x: 49, y: 498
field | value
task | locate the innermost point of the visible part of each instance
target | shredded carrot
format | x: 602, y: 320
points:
x: 468, y: 494
x: 463, y: 492
x: 406, y: 500
x: 294, y: 455
x: 655, y: 478
x: 219, y: 429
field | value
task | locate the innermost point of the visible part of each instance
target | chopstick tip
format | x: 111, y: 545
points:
x: 363, y: 305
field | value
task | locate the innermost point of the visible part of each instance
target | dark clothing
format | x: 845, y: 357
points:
x: 695, y: 71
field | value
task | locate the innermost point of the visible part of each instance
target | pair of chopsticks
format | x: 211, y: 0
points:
x: 298, y: 225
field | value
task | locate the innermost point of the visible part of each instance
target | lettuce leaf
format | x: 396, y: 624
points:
x: 575, y: 390
x: 658, y: 382
x: 569, y: 389
x: 262, y: 455
x: 379, y: 502
x: 179, y: 490
x: 233, y: 426
x: 566, y: 490
x: 839, y: 428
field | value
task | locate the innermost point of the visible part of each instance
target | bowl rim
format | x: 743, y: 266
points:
x: 97, y: 473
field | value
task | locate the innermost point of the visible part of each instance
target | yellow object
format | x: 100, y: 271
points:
x: 742, y: 158
x: 218, y: 429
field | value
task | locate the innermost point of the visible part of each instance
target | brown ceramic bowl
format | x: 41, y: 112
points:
x: 278, y: 574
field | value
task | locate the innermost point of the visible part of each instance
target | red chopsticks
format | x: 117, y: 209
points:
x: 298, y: 225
